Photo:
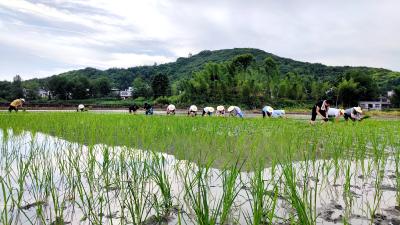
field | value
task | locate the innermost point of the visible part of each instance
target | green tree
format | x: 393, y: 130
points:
x: 141, y: 88
x: 81, y: 88
x: 160, y: 85
x: 348, y: 92
x: 242, y: 62
x: 395, y: 99
x: 32, y: 90
x: 102, y: 86
x: 59, y: 87
x: 17, y: 90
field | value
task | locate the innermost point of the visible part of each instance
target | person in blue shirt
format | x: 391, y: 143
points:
x: 270, y: 112
x: 148, y: 108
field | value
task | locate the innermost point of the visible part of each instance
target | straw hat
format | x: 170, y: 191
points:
x: 220, y: 108
x: 171, y: 107
x: 193, y: 108
x: 269, y: 109
x: 231, y: 108
x: 22, y: 99
x: 358, y: 109
x: 210, y: 109
x: 341, y: 111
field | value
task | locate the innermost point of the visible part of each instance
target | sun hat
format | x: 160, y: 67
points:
x: 341, y: 111
x: 193, y: 108
x: 171, y: 107
x: 220, y: 108
x: 22, y: 99
x: 81, y: 106
x: 358, y: 109
x: 231, y: 108
x: 269, y: 109
x: 210, y: 109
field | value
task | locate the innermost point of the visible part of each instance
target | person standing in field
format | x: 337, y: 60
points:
x: 81, y: 108
x: 353, y: 113
x: 171, y: 109
x: 235, y: 111
x: 192, y: 111
x: 220, y: 110
x: 270, y: 112
x: 16, y: 104
x: 320, y: 108
x: 148, y: 109
x: 133, y: 108
x: 335, y: 113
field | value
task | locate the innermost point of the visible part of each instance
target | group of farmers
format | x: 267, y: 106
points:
x: 321, y: 108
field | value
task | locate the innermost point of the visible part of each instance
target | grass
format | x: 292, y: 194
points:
x: 114, y: 184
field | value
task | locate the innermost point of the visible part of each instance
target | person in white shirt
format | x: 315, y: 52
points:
x: 208, y: 111
x: 335, y: 113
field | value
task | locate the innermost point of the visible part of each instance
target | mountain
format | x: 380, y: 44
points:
x: 184, y: 67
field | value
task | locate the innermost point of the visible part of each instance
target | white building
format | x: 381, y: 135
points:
x: 43, y: 93
x: 127, y: 93
x: 382, y: 103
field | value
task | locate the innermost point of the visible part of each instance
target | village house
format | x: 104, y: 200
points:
x: 127, y: 93
x: 379, y: 104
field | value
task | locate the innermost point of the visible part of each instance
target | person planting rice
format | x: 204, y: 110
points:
x: 335, y: 113
x: 270, y: 112
x: 16, y: 104
x: 208, y: 111
x: 81, y: 108
x: 192, y: 110
x: 171, y: 110
x: 133, y: 108
x: 235, y: 111
x: 148, y: 108
x: 353, y: 113
x: 320, y: 108
x: 220, y: 110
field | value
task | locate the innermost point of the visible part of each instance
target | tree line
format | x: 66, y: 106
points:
x: 243, y: 80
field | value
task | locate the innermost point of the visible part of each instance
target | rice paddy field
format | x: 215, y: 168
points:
x: 90, y: 168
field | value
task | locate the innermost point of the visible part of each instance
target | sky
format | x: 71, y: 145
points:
x: 46, y: 37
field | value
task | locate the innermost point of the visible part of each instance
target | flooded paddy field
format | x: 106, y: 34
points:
x: 117, y: 169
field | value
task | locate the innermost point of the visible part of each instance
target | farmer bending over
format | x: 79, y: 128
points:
x: 220, y: 110
x: 353, y: 113
x: 81, y: 108
x: 16, y: 104
x: 320, y: 108
x: 148, y: 108
x: 335, y: 113
x: 270, y: 112
x: 208, y: 111
x: 133, y: 108
x: 235, y: 111
x: 192, y: 110
x: 171, y: 110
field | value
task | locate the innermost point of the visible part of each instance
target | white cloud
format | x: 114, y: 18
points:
x: 123, y: 33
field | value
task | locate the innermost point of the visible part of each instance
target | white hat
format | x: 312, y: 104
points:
x: 81, y: 106
x: 171, y: 107
x: 231, y: 108
x: 270, y: 109
x: 22, y: 99
x: 193, y: 108
x: 358, y: 109
x: 210, y: 109
x: 220, y: 108
x: 341, y: 111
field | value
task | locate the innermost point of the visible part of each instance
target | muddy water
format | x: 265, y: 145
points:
x: 359, y: 192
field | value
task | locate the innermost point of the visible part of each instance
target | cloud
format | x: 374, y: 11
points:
x: 125, y: 33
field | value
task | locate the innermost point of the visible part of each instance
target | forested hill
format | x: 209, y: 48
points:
x: 184, y: 67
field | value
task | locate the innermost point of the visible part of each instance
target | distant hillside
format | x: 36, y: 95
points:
x: 184, y: 68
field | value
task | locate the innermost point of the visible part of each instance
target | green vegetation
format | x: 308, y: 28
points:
x: 100, y: 175
x: 245, y: 77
